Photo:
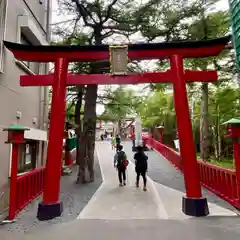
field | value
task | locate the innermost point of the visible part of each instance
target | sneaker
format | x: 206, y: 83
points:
x: 144, y: 189
x: 120, y: 184
x: 124, y: 183
x: 137, y: 184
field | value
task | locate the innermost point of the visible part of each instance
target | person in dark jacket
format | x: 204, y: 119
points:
x: 141, y: 166
x: 120, y: 160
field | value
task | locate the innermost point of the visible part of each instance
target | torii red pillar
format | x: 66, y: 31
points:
x: 193, y: 203
x: 51, y: 207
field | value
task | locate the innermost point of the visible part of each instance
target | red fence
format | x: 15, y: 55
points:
x: 218, y: 180
x: 221, y: 181
x: 173, y: 156
x: 29, y: 186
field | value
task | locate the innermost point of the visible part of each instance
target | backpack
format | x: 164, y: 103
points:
x: 121, y: 159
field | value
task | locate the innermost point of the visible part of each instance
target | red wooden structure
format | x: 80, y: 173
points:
x: 24, y: 188
x: 193, y: 204
x: 233, y: 132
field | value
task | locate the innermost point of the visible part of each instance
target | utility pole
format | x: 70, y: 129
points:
x: 46, y: 89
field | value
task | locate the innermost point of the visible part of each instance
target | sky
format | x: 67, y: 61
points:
x: 222, y: 5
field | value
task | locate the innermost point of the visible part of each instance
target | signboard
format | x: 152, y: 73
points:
x: 234, y: 6
x: 28, y: 154
x: 118, y: 60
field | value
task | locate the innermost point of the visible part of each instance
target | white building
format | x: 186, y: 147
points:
x: 26, y: 22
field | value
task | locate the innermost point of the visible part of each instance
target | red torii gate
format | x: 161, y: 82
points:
x: 193, y: 204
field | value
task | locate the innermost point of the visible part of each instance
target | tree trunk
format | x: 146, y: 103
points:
x: 120, y: 128
x: 215, y: 142
x: 86, y: 167
x: 89, y: 129
x: 79, y: 132
x: 204, y: 124
x: 217, y: 137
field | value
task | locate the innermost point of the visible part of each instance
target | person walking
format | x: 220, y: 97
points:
x: 113, y: 142
x: 121, y: 163
x: 141, y: 166
x: 118, y: 141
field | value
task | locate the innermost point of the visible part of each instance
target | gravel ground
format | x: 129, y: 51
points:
x: 74, y: 197
x: 161, y: 171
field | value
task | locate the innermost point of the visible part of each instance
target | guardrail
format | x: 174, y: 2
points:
x: 172, y: 156
x: 29, y: 186
x: 221, y: 181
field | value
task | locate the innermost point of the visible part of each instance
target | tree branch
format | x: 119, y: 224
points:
x: 120, y: 27
x: 109, y: 10
x: 84, y: 13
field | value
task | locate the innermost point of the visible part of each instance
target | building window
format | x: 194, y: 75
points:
x: 3, y: 14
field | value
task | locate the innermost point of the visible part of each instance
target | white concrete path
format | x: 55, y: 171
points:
x: 172, y: 202
x: 114, y: 202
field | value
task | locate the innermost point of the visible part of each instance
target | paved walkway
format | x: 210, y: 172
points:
x: 160, y: 202
x: 114, y: 202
